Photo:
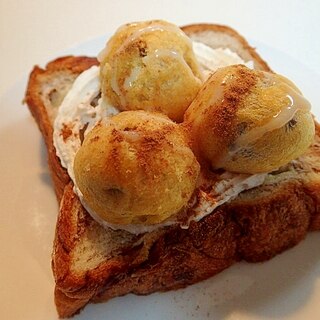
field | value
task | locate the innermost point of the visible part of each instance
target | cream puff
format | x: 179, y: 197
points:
x: 136, y: 168
x: 150, y: 66
x: 249, y: 121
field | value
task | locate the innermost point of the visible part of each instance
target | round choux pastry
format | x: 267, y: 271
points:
x: 150, y: 66
x: 249, y: 121
x: 136, y: 168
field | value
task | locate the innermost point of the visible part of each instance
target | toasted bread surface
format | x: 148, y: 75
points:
x: 220, y: 36
x: 91, y: 263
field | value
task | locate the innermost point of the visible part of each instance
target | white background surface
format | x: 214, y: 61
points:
x: 34, y: 31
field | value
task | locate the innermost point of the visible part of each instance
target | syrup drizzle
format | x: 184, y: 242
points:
x: 158, y: 54
x: 295, y: 102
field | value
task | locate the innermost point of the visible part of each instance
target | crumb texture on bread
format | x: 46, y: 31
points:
x: 46, y: 89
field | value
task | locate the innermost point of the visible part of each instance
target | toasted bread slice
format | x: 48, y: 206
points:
x: 91, y: 263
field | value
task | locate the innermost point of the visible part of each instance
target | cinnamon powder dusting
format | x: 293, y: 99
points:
x: 115, y: 157
x: 222, y: 117
x: 151, y: 143
x: 66, y: 131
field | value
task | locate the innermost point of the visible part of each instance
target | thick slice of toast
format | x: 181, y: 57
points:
x: 91, y: 263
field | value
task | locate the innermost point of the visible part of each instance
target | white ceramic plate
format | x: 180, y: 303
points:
x: 287, y: 287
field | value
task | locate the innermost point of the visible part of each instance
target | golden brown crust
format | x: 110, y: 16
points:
x: 67, y: 306
x: 111, y: 168
x: 197, y: 28
x: 314, y: 192
x: 252, y: 229
x: 312, y: 186
x: 71, y: 225
x: 273, y: 223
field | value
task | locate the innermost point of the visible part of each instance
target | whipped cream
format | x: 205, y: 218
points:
x: 211, y: 59
x: 223, y: 189
x: 83, y: 107
x: 78, y: 113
